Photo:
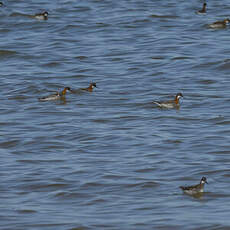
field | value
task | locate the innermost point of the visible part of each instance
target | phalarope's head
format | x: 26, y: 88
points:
x: 179, y: 95
x: 45, y: 14
x: 226, y: 21
x: 177, y: 98
x: 1, y: 4
x: 68, y: 89
x: 93, y: 85
x: 203, y: 180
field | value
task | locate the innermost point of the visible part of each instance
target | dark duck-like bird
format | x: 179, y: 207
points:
x: 203, y: 10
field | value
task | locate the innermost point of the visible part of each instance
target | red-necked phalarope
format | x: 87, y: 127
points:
x: 1, y: 4
x: 57, y: 95
x: 169, y: 104
x: 42, y: 16
x: 91, y: 87
x: 219, y: 24
x: 195, y: 189
x: 203, y: 10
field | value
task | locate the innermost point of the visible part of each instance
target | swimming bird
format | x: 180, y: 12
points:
x: 42, y: 16
x: 170, y: 104
x: 1, y: 4
x: 195, y: 189
x: 203, y: 10
x: 91, y: 87
x: 57, y: 95
x: 219, y: 24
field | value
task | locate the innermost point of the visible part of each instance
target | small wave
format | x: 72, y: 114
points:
x: 71, y: 195
x: 79, y: 228
x: 4, y: 53
x: 52, y: 64
x: 26, y: 211
x: 149, y: 184
x: 163, y: 16
x: 15, y: 14
x: 181, y: 58
x: 207, y: 82
x: 9, y: 144
x: 225, y: 66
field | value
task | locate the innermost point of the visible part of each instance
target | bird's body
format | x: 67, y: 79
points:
x: 195, y: 189
x: 56, y: 96
x: 42, y: 16
x: 219, y: 24
x: 169, y: 104
x: 90, y: 88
